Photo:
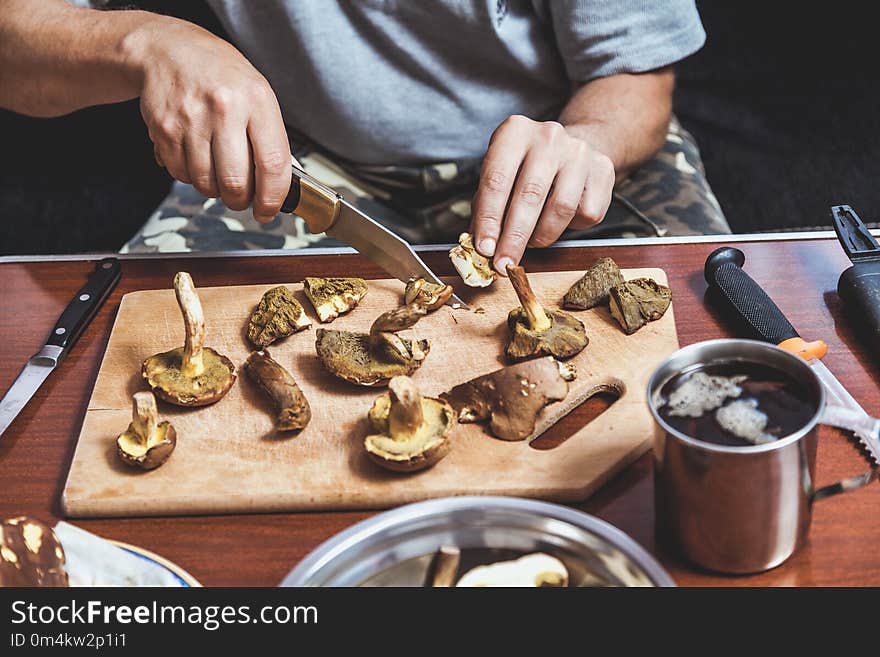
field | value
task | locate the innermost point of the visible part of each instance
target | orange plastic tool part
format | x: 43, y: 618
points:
x: 804, y: 349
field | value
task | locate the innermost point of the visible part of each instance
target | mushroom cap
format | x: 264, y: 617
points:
x: 592, y: 289
x: 277, y: 315
x: 425, y: 448
x: 565, y: 338
x: 134, y: 452
x: 430, y: 295
x: 351, y: 357
x: 537, y: 569
x: 473, y: 267
x: 162, y: 373
x: 333, y: 296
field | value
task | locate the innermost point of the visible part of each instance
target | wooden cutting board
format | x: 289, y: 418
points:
x: 229, y: 460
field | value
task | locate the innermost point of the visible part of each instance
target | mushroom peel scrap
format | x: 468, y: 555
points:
x: 292, y: 410
x: 431, y: 295
x: 411, y: 430
x: 374, y: 358
x: 192, y: 375
x: 536, y: 331
x: 147, y: 443
x: 511, y: 398
x: 473, y: 267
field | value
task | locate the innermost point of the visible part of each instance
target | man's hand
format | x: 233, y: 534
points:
x: 213, y: 118
x: 539, y: 178
x: 536, y: 181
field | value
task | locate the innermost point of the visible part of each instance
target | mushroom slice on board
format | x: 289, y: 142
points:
x: 374, y: 358
x: 30, y: 554
x: 292, y: 410
x: 473, y: 268
x: 277, y: 315
x: 332, y: 297
x: 411, y: 430
x: 592, y: 289
x: 536, y: 331
x: 637, y: 302
x: 431, y: 295
x: 191, y: 375
x: 533, y: 570
x: 147, y: 443
x: 511, y: 398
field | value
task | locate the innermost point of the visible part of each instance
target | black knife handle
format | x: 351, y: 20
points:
x: 724, y: 273
x: 85, y: 304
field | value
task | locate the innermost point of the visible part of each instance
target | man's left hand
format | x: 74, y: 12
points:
x: 536, y: 181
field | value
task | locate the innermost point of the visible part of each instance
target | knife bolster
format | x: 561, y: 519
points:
x: 316, y: 204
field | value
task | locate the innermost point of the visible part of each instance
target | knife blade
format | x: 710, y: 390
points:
x: 325, y: 211
x: 724, y: 274
x: 70, y: 325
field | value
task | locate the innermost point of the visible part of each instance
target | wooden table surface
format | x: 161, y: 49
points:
x: 259, y: 550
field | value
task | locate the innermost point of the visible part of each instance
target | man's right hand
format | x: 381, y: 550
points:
x: 213, y: 118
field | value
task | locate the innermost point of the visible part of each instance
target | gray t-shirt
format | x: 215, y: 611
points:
x: 415, y: 81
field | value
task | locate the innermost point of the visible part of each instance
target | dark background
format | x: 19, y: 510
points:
x: 783, y: 100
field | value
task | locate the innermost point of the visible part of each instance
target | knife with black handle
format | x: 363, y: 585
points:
x: 70, y: 325
x: 750, y: 303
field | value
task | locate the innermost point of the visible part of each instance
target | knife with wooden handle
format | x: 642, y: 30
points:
x: 325, y: 211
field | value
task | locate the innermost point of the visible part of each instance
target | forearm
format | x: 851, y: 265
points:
x: 56, y: 58
x: 623, y: 116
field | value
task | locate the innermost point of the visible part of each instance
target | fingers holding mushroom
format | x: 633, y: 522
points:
x: 192, y: 375
x: 291, y: 406
x: 147, y: 443
x: 374, y: 358
x: 474, y: 269
x: 411, y: 430
x: 536, y: 331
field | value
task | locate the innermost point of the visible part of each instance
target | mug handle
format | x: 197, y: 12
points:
x: 869, y: 428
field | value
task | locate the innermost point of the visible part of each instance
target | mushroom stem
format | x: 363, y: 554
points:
x: 443, y: 567
x: 538, y: 320
x: 144, y: 416
x: 194, y: 322
x: 405, y: 416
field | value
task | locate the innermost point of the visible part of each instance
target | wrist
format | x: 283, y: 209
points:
x: 134, y: 50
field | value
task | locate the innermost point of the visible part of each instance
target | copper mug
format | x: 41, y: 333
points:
x: 736, y: 509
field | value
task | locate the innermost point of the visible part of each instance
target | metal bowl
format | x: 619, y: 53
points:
x: 394, y: 548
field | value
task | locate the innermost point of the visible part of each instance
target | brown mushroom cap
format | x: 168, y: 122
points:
x: 473, y: 267
x: 430, y: 295
x: 192, y: 375
x: 593, y: 287
x: 411, y: 430
x: 147, y: 443
x: 30, y: 554
x: 333, y: 296
x: 278, y: 315
x: 536, y: 331
x: 163, y: 374
x: 373, y: 359
x: 637, y: 302
x: 512, y: 397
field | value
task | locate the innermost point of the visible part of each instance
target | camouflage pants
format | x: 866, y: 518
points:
x: 669, y: 195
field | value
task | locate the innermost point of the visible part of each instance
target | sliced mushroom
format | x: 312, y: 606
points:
x: 532, y: 570
x: 473, y: 268
x: 291, y: 406
x: 277, y: 315
x: 637, y: 302
x: 333, y: 296
x: 411, y: 430
x: 430, y: 295
x: 30, y: 554
x: 593, y: 287
x: 147, y: 443
x: 512, y: 397
x: 192, y: 375
x: 536, y: 331
x: 372, y: 359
